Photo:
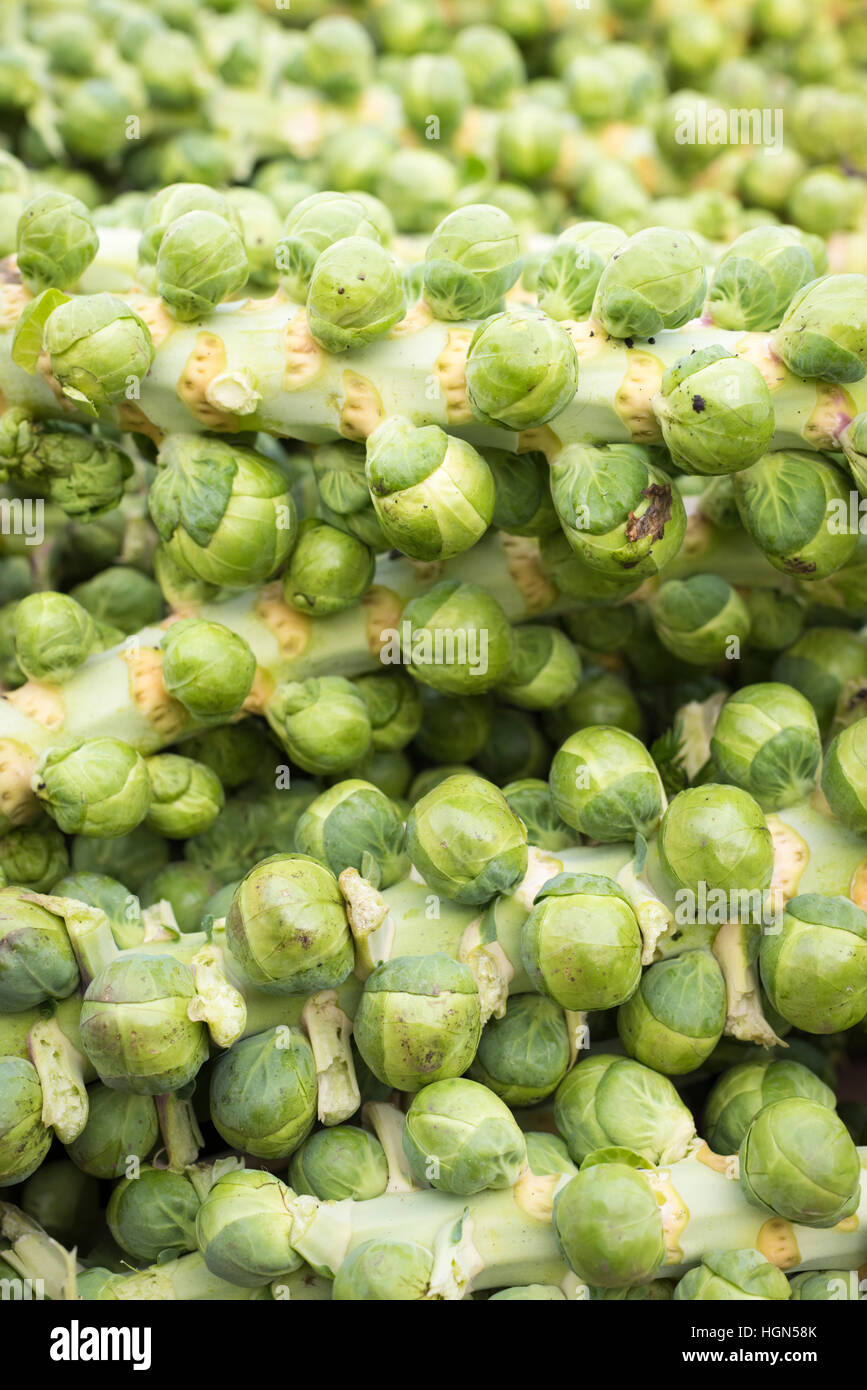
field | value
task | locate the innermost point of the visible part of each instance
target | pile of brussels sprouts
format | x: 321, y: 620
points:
x: 433, y: 650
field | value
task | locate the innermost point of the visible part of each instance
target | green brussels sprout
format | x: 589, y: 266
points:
x: 581, y: 944
x: 465, y: 841
x: 186, y: 796
x: 601, y: 698
x: 322, y: 723
x: 461, y: 1138
x: 135, y: 1027
x: 354, y: 825
x: 781, y: 19
x: 522, y: 493
x: 622, y: 516
x: 120, y: 1126
x: 394, y: 708
x: 766, y: 740
x: 287, y: 926
x: 544, y: 671
x: 193, y: 652
x: 814, y: 968
x: 718, y: 836
x: 397, y: 1271
x: 36, y: 957
x: 608, y: 1225
x: 187, y: 889
x: 796, y: 508
x: 716, y: 412
x: 12, y: 205
x: 676, y: 1016
x: 261, y: 226
x: 797, y: 1160
x: 594, y: 89
x: 418, y: 1020
x: 547, y: 1154
x: 419, y: 189
x: 170, y: 67
x: 820, y: 1285
x: 522, y: 370
x: 329, y: 570
x: 570, y: 271
x: 733, y: 1274
x: 823, y: 333
x: 433, y: 493
x: 53, y: 636
x: 536, y: 1292
x: 605, y: 784
x: 608, y: 1100
x: 264, y: 1093
x: 472, y: 259
x: 153, y: 1215
x: 825, y: 201
x: 843, y: 777
x: 233, y: 751
x: 657, y: 1291
x: 93, y: 119
x: 24, y: 1139
x: 345, y: 500
x: 767, y: 177
x: 515, y: 748
x: 455, y: 638
x: 97, y: 345
x: 743, y: 1090
x: 355, y: 294
x: 528, y: 142
x: 776, y: 620
x: 610, y: 191
x: 243, y: 1228
x: 314, y: 224
x: 492, y: 63
x: 62, y: 1200
x: 193, y: 284
x: 121, y: 596
x: 757, y: 278
x: 694, y: 42
x: 33, y: 856
x: 135, y: 856
x: 821, y: 664
x: 120, y: 906
x: 351, y: 166
x: 701, y: 620
x: 524, y: 1055
x: 655, y: 281
x: 173, y: 202
x: 388, y: 769
x: 340, y: 1163
x: 681, y: 111
x: 56, y: 241
x: 338, y: 56
x: 258, y: 822
x: 95, y: 786
x: 531, y: 801
x: 435, y: 94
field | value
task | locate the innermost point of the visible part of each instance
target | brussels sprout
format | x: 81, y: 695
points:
x: 757, y: 278
x: 815, y: 967
x: 243, y: 1228
x: 605, y: 784
x: 120, y: 906
x: 24, y: 1139
x: 187, y: 889
x: 311, y: 227
x: 522, y: 493
x: 776, y: 620
x: 56, y: 241
x: 570, y: 271
x: 36, y: 958
x: 843, y: 777
x: 92, y: 121
x: 742, y: 1091
x: 433, y: 494
x: 394, y: 708
x: 264, y: 1093
x: 398, y: 1271
x: 622, y: 515
x: 544, y: 671
x: 389, y: 770
x: 547, y: 1154
x: 186, y: 796
x: 515, y: 748
x: 234, y: 752
x: 818, y: 1285
x: 456, y: 638
x: 824, y: 201
x: 823, y: 333
x: 797, y: 1160
x: 531, y: 801
x: 170, y: 67
x: 491, y: 61
x: 251, y: 826
x: 465, y: 841
x: 135, y: 1027
x: 655, y: 281
x: 193, y: 652
x: 821, y: 664
x: 354, y: 825
x: 581, y: 944
x: 97, y: 345
x: 355, y: 294
x: 121, y: 596
x: 536, y: 1292
x: 765, y: 180
x: 419, y: 188
x: 287, y: 926
x: 260, y: 231
x: 608, y: 1100
x: 173, y: 202
x: 675, y: 1018
x: 95, y: 786
x: 657, y: 1291
x: 120, y: 1126
x: 32, y: 856
x: 524, y: 1055
x: 717, y: 836
x: 528, y: 142
x: 701, y: 620
x: 338, y: 56
x: 796, y: 508
x: 135, y: 856
x: 716, y: 412
x: 345, y: 497
x: 53, y: 636
x: 322, y: 723
x: 522, y: 370
x: 418, y: 1021
x: 153, y: 1215
x: 733, y: 1274
x: 434, y: 89
x: 694, y: 43
x: 462, y: 1138
x: 611, y: 191
x: 329, y: 570
x: 225, y: 513
x: 601, y: 698
x: 594, y: 89
x: 339, y: 1163
x: 766, y: 740
x: 608, y: 1225
x: 351, y: 166
x: 472, y: 259
x: 62, y: 1200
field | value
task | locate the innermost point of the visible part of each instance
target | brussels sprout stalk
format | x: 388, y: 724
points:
x: 387, y: 1123
x: 329, y: 1031
x: 35, y: 1255
x: 61, y: 1069
x: 735, y: 947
